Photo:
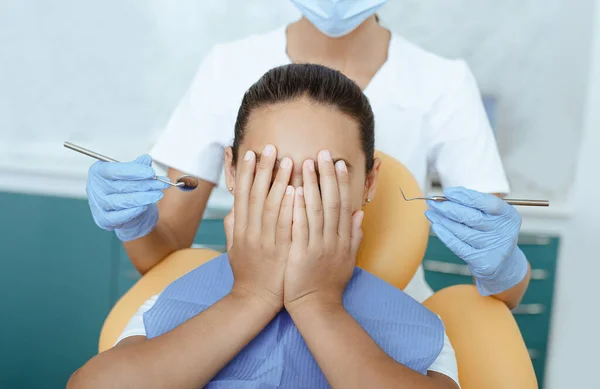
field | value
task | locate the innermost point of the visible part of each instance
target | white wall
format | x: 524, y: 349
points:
x: 84, y: 69
x: 113, y: 70
x: 532, y: 55
x: 575, y: 340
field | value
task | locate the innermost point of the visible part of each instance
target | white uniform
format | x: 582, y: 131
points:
x: 428, y: 115
x: 444, y: 364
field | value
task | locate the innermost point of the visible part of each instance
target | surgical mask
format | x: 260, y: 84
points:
x: 336, y: 18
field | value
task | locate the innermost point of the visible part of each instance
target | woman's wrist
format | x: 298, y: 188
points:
x: 262, y: 302
x: 315, y: 305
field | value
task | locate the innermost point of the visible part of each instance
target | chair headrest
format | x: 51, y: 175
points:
x: 395, y: 232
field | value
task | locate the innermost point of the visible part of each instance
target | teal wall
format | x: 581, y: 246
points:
x: 56, y: 287
x: 61, y: 275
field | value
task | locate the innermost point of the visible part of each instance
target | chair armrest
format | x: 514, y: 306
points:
x: 152, y: 283
x: 489, y: 348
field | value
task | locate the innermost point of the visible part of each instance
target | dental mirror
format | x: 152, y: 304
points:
x: 185, y: 182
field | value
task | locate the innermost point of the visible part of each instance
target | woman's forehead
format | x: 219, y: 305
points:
x: 300, y: 129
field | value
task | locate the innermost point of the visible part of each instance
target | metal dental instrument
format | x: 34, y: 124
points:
x: 526, y: 203
x: 185, y: 182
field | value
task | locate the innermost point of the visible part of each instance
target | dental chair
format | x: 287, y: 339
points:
x: 489, y: 348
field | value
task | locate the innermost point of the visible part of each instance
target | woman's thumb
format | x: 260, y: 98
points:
x: 228, y: 223
x: 357, y: 233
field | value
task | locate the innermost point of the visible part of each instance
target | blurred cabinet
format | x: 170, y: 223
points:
x: 443, y: 268
x: 56, y: 287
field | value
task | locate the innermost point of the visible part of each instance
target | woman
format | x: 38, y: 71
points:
x: 302, y: 166
x: 428, y: 112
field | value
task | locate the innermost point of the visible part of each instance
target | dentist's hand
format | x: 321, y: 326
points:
x: 483, y: 230
x: 123, y: 197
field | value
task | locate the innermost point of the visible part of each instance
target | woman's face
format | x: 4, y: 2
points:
x: 299, y: 130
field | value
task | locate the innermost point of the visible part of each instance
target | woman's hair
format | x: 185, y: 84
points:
x: 317, y: 83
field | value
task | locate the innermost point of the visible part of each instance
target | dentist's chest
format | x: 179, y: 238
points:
x: 400, y: 131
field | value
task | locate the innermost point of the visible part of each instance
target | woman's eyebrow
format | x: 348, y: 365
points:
x: 348, y: 164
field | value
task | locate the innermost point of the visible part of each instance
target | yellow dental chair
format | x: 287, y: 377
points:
x: 489, y: 348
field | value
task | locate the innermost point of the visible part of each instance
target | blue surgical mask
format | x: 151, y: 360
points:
x: 336, y: 18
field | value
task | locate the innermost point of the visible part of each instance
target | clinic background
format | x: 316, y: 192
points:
x: 107, y: 75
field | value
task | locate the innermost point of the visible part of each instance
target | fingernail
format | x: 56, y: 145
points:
x: 289, y: 190
x: 341, y: 166
x: 325, y: 155
x: 300, y: 191
x: 311, y: 165
x: 286, y: 163
x: 269, y: 150
x: 249, y: 155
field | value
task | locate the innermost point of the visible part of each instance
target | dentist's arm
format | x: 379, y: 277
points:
x: 179, y: 215
x: 512, y: 297
x: 187, y: 357
x: 151, y: 218
x: 483, y: 230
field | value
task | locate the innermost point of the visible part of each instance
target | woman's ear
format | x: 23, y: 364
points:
x: 229, y: 169
x: 371, y: 182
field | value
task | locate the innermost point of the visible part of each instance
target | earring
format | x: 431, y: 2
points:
x: 368, y: 200
x: 231, y: 189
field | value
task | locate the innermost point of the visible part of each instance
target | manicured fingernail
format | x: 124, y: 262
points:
x: 289, y: 190
x: 341, y: 166
x: 300, y: 191
x: 325, y: 155
x: 311, y: 165
x: 249, y: 155
x: 269, y: 150
x: 286, y: 163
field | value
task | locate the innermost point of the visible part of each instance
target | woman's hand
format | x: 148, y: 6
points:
x: 325, y: 236
x: 259, y: 231
x: 483, y: 230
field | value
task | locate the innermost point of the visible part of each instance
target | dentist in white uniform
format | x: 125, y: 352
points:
x: 428, y: 115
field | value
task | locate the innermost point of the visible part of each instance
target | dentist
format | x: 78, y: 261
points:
x: 428, y: 115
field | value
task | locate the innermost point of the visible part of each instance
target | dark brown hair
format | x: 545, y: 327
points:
x: 319, y: 84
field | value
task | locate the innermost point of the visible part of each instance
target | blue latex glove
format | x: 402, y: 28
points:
x: 483, y: 230
x: 123, y: 197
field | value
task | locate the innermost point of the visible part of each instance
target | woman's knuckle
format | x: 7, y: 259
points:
x: 265, y: 164
x: 333, y: 205
x: 254, y: 199
x: 346, y: 207
x: 271, y: 208
x: 328, y: 171
x: 303, y: 223
x: 317, y: 210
